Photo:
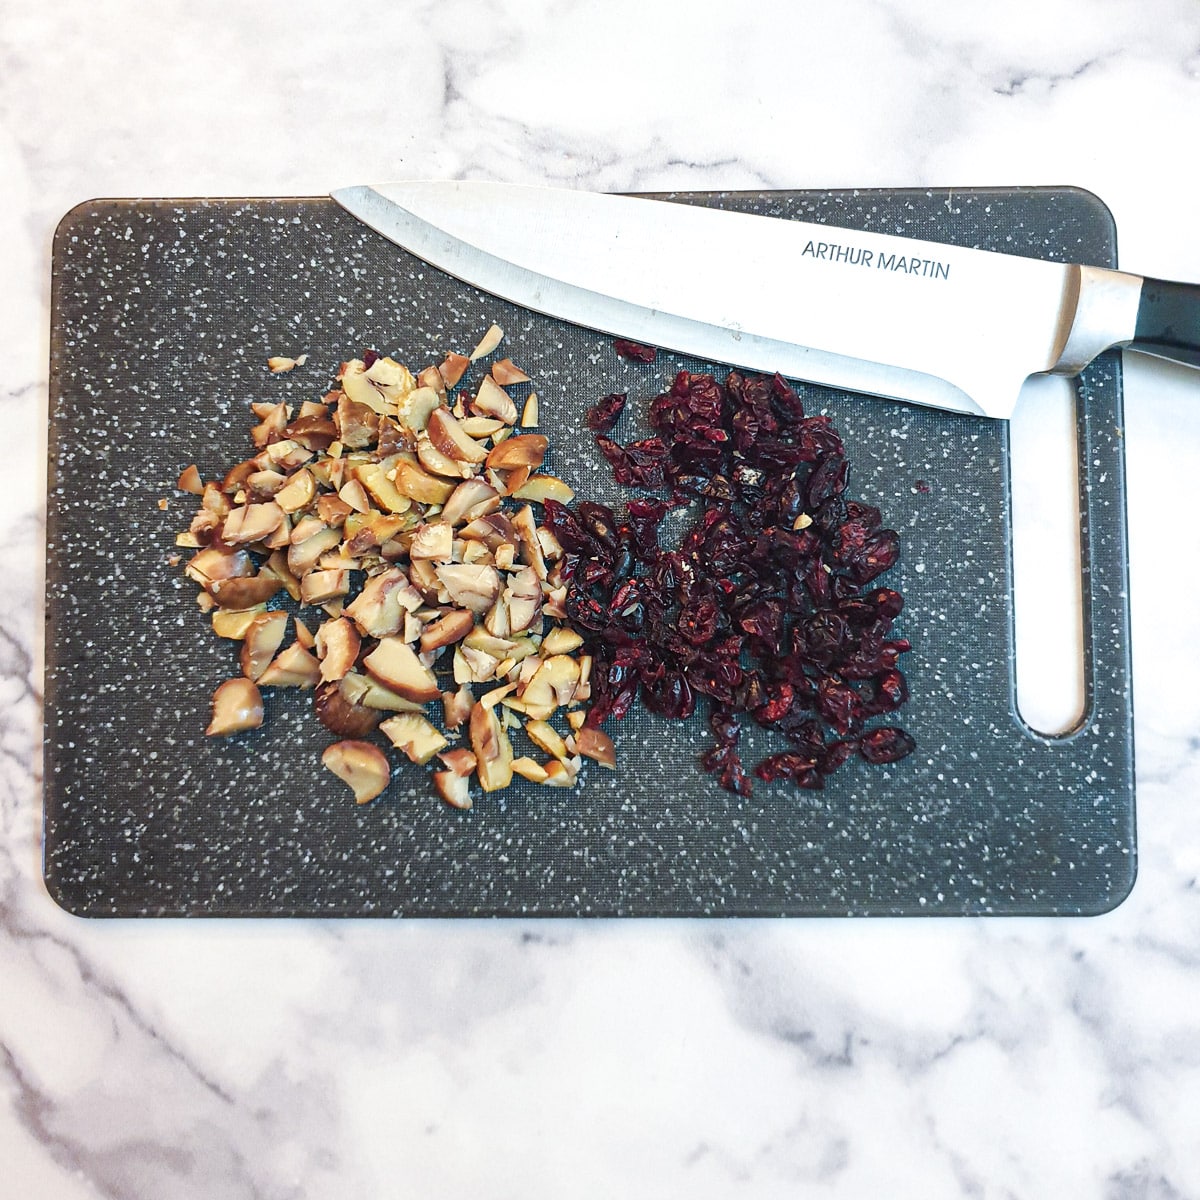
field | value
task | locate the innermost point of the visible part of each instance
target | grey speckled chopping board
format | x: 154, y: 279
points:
x: 164, y: 313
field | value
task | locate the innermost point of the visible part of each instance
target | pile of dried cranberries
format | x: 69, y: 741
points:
x: 765, y: 607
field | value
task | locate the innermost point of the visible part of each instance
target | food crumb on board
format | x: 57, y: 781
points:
x: 279, y: 365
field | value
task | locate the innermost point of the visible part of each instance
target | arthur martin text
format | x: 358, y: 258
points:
x: 856, y: 256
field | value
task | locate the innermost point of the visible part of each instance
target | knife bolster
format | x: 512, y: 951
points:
x: 1105, y: 314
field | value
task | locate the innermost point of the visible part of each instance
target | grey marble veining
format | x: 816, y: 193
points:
x: 1016, y: 1058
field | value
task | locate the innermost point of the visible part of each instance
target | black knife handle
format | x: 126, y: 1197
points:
x: 1168, y: 321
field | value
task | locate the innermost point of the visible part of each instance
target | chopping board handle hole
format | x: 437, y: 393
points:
x: 1049, y: 640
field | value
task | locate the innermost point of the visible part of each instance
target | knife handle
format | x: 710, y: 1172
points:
x: 1168, y: 321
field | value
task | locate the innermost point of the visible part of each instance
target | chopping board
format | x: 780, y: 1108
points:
x: 164, y: 313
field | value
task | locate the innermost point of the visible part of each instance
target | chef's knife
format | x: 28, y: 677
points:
x: 866, y: 311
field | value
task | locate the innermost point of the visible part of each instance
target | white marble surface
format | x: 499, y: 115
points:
x: 925, y: 1059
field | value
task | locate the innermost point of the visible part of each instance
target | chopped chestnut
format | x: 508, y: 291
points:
x: 233, y: 623
x: 523, y: 450
x: 460, y: 760
x: 493, y: 401
x: 413, y: 733
x: 261, y: 641
x: 396, y: 666
x: 378, y: 610
x: 453, y: 369
x: 434, y: 541
x: 487, y: 343
x: 544, y: 487
x: 530, y: 769
x: 415, y: 483
x: 470, y: 585
x: 318, y: 587
x: 342, y: 715
x: 504, y: 371
x: 292, y: 667
x: 361, y: 766
x: 245, y: 593
x: 447, y: 629
x: 236, y: 705
x: 448, y: 436
x: 469, y: 497
x: 524, y: 597
x: 337, y: 644
x: 492, y: 749
x: 189, y: 481
x: 544, y: 735
x: 437, y: 463
x: 399, y: 508
x: 456, y: 707
x: 596, y: 744
x: 453, y: 788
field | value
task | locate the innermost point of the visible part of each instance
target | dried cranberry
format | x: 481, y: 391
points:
x: 816, y: 578
x: 849, y: 541
x: 639, y: 464
x: 881, y: 555
x: 733, y: 777
x: 750, y: 483
x: 780, y: 697
x: 816, y: 436
x: 803, y: 771
x: 828, y: 479
x: 790, y: 500
x: 698, y: 621
x: 671, y: 696
x: 751, y: 693
x: 724, y: 725
x: 829, y: 515
x: 824, y: 638
x: 645, y: 515
x: 838, y: 703
x: 867, y: 663
x: 598, y: 521
x: 584, y: 612
x: 692, y: 412
x: 726, y: 764
x: 762, y: 607
x: 623, y: 702
x: 834, y: 755
x: 565, y: 526
x: 810, y: 777
x: 764, y: 619
x: 887, y: 603
x: 717, y: 679
x: 774, y: 454
x: 613, y: 451
x: 785, y: 400
x: 627, y: 610
x: 635, y: 351
x: 602, y: 416
x: 891, y: 691
x: 804, y: 731
x: 886, y: 745
x: 647, y: 464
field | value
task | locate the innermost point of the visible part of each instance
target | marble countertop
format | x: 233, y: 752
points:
x: 1013, y: 1058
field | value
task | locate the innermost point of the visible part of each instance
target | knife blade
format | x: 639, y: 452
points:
x: 866, y: 311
